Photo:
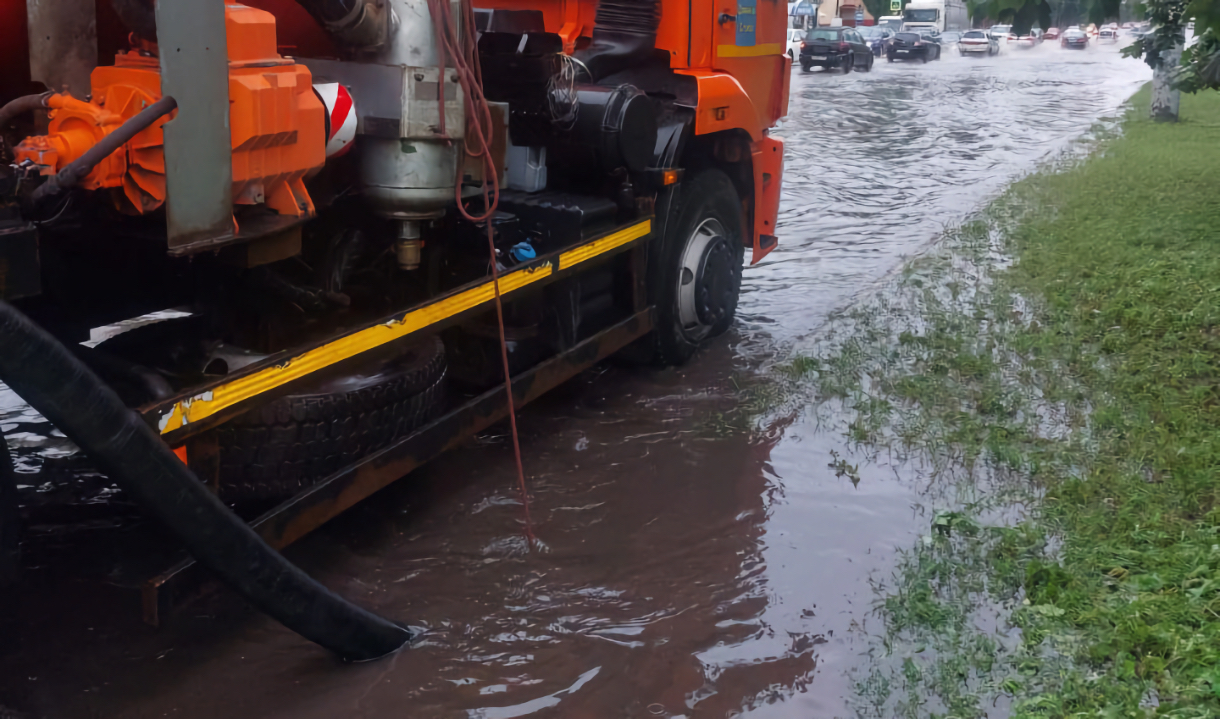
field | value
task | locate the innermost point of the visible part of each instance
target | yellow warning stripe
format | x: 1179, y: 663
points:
x: 770, y: 48
x: 208, y: 403
x: 604, y: 245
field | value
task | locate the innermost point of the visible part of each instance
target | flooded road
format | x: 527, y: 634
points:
x: 692, y: 567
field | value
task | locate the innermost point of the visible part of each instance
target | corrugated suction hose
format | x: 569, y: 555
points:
x: 54, y: 382
x: 624, y: 35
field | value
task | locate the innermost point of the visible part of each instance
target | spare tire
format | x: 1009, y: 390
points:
x: 275, y: 450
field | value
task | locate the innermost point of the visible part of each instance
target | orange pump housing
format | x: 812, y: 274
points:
x: 276, y: 121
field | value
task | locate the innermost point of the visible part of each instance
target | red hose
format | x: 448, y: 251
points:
x: 465, y: 57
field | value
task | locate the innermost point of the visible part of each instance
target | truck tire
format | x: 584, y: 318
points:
x: 695, y: 280
x: 274, y: 451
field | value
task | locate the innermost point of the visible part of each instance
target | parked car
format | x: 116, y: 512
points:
x: 912, y: 46
x: 1074, y: 38
x: 1000, y: 32
x: 876, y: 37
x: 795, y: 37
x: 1052, y: 33
x: 1107, y: 35
x: 835, y: 47
x: 977, y: 42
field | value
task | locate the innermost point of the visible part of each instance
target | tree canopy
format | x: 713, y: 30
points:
x: 1200, y: 69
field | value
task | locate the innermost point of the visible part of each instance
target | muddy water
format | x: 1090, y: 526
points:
x: 690, y: 569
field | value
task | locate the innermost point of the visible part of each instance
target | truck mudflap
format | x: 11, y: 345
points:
x: 768, y: 162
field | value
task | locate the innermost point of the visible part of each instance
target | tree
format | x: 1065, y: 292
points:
x: 1200, y: 64
x: 1025, y: 14
x: 878, y: 8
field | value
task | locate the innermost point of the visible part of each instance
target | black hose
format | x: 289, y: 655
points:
x: 10, y: 519
x: 80, y: 168
x: 140, y: 17
x: 363, y: 24
x: 148, y: 385
x: 624, y: 34
x: 46, y: 375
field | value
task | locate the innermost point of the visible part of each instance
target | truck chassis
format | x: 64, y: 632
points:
x: 320, y: 502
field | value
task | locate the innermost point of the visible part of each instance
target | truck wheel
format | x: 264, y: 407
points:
x: 10, y: 519
x: 696, y: 281
x: 274, y: 451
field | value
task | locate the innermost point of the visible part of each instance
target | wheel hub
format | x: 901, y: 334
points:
x: 714, y: 292
x: 705, y: 283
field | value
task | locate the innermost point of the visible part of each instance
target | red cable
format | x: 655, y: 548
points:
x: 478, y: 144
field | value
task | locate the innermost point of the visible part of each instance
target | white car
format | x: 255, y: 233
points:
x: 1025, y: 41
x: 795, y: 37
x: 977, y: 42
x: 1001, y: 33
x: 1108, y: 36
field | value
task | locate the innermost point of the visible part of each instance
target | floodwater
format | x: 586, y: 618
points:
x: 690, y: 569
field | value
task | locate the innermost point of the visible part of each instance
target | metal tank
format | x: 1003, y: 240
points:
x: 409, y: 175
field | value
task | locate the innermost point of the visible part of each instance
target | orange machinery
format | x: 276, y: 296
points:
x: 277, y: 124
x: 734, y: 51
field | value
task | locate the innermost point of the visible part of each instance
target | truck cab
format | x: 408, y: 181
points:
x: 940, y: 15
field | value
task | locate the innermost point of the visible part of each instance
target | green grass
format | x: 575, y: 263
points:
x: 1127, y: 269
x: 1081, y: 384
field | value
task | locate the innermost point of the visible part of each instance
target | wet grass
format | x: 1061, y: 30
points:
x: 1054, y: 366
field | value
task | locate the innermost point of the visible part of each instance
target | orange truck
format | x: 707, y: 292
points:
x: 382, y: 223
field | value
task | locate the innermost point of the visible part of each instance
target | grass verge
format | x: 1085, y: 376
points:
x: 1056, y: 361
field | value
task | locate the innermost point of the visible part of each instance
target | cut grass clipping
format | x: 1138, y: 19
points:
x: 1076, y: 391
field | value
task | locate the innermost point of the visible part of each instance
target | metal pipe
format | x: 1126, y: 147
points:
x: 23, y: 104
x: 19, y: 106
x: 47, y: 376
x: 79, y: 168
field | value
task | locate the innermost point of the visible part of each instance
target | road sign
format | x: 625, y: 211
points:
x: 895, y: 6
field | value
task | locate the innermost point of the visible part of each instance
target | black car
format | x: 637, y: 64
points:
x: 912, y: 46
x: 1074, y: 38
x: 876, y: 38
x: 841, y: 48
